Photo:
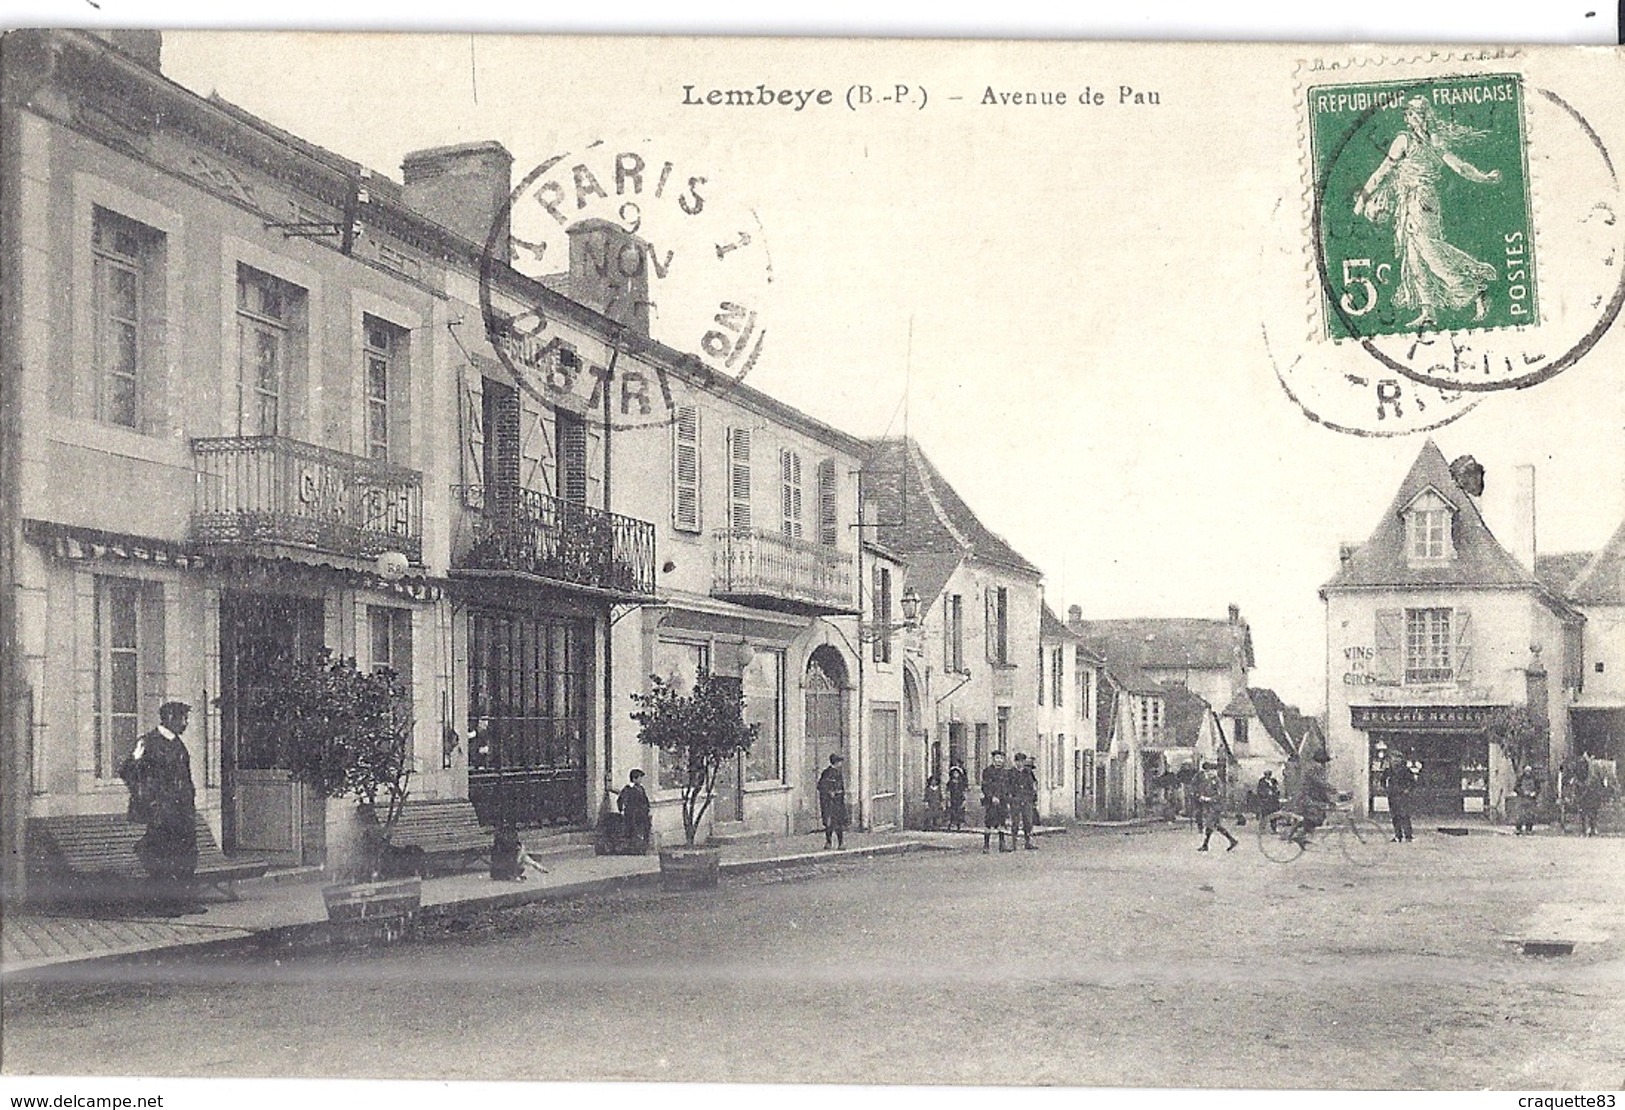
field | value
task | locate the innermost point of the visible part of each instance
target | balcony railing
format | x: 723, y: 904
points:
x: 269, y: 490
x: 774, y: 571
x: 512, y: 529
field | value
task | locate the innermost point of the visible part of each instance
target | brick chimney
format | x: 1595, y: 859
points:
x: 463, y: 188
x: 1523, y: 517
x: 609, y: 271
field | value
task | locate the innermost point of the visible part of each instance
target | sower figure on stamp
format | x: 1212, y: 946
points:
x: 995, y: 801
x: 158, y: 773
x: 1023, y: 800
x: 1209, y: 806
x: 633, y: 802
x: 1399, y: 782
x: 832, y: 802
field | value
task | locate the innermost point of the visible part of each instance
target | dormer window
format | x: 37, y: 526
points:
x: 1427, y: 528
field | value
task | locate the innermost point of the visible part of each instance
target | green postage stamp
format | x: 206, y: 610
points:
x: 1422, y: 206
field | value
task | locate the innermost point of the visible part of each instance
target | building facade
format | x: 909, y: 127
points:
x: 1431, y: 625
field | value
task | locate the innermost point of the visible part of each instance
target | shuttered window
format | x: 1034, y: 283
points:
x: 828, y: 501
x: 739, y: 480
x: 685, y: 469
x: 882, y: 614
x: 790, y: 499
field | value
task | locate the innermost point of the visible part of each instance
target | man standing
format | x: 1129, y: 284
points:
x: 1399, y: 782
x: 1209, y: 806
x: 633, y: 802
x: 832, y: 802
x: 158, y: 773
x: 995, y: 801
x: 1527, y: 790
x: 1023, y: 800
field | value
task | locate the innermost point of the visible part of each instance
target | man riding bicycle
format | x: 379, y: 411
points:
x: 1315, y: 798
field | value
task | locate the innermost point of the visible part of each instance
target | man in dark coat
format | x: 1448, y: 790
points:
x: 1209, y: 806
x: 1268, y: 795
x: 1526, y: 791
x: 158, y: 773
x: 832, y: 802
x: 1399, y: 782
x: 633, y: 802
x: 995, y: 801
x: 1023, y: 800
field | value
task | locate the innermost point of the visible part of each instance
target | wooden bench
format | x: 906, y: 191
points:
x: 92, y: 857
x: 444, y: 832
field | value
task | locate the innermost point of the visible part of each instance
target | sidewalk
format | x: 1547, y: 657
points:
x: 281, y: 913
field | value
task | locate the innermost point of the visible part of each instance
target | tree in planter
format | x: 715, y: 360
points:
x: 1520, y: 734
x: 344, y: 731
x: 700, y: 731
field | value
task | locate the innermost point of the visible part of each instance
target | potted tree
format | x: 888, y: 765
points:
x: 347, y: 732
x: 699, y: 732
x: 1522, y: 737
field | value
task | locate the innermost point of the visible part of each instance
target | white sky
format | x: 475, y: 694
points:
x: 1087, y: 366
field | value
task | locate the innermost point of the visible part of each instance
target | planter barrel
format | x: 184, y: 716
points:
x: 690, y: 868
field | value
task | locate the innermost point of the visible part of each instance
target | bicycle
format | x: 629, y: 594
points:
x: 1281, y: 836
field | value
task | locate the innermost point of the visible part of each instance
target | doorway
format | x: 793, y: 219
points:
x: 824, y: 687
x: 264, y: 811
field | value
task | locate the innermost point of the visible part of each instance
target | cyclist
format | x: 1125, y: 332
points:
x: 1315, y: 798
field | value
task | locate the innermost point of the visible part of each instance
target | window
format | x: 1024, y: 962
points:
x: 126, y: 256
x: 790, y: 481
x: 1428, y: 646
x: 1240, y: 737
x: 268, y: 313
x: 1427, y: 528
x: 997, y: 625
x: 391, y: 636
x: 829, y: 528
x: 680, y: 664
x: 953, y: 635
x: 383, y: 355
x: 1150, y: 717
x: 570, y: 431
x: 1004, y: 728
x: 739, y: 481
x: 1058, y: 768
x: 763, y: 683
x: 882, y: 614
x: 1040, y: 675
x: 129, y: 644
x: 685, y: 469
x: 1057, y: 675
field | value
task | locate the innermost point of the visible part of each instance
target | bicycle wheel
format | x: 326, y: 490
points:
x: 1362, y: 839
x: 1276, y: 836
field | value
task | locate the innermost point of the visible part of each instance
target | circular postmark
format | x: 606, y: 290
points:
x: 675, y: 273
x: 1466, y: 229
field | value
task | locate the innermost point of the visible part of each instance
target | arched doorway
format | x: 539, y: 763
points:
x: 824, y: 687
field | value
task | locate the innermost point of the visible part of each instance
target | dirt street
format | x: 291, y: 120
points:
x: 1100, y: 959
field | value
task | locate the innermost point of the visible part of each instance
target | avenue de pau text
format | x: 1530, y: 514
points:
x: 762, y: 96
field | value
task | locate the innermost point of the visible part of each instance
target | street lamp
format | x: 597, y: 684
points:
x: 909, y: 603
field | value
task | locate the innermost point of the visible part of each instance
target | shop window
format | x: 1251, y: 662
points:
x: 680, y: 664
x: 129, y: 644
x: 763, y: 681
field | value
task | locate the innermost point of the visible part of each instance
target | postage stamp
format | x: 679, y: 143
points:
x: 1423, y: 205
x: 679, y: 269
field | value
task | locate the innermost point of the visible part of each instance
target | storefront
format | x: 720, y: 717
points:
x: 1446, y: 747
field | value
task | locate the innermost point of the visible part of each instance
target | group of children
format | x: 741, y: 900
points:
x: 1009, y: 800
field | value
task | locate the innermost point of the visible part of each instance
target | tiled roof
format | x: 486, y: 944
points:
x: 1558, y: 571
x: 1183, y: 714
x: 1051, y: 627
x: 1283, y: 723
x: 1480, y: 560
x: 929, y: 573
x: 1131, y: 679
x: 921, y: 513
x: 1602, y: 582
x: 1172, y: 642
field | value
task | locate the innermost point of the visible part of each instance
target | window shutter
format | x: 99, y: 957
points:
x: 685, y: 470
x: 1040, y: 675
x: 592, y: 465
x: 828, y: 502
x: 1464, y: 645
x: 1390, y: 637
x: 947, y: 636
x: 473, y: 433
x: 739, y: 480
x: 534, y: 447
x: 989, y: 620
x: 790, y: 502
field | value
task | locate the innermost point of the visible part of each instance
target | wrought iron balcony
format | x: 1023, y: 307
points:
x: 773, y: 571
x: 268, y: 490
x: 505, y: 528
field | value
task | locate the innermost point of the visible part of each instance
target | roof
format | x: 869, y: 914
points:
x: 926, y: 515
x: 929, y: 573
x: 1132, y: 679
x: 1480, y: 560
x: 1602, y: 582
x: 1281, y: 722
x: 1183, y: 643
x: 1051, y: 627
x: 1183, y: 714
x: 1558, y: 571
